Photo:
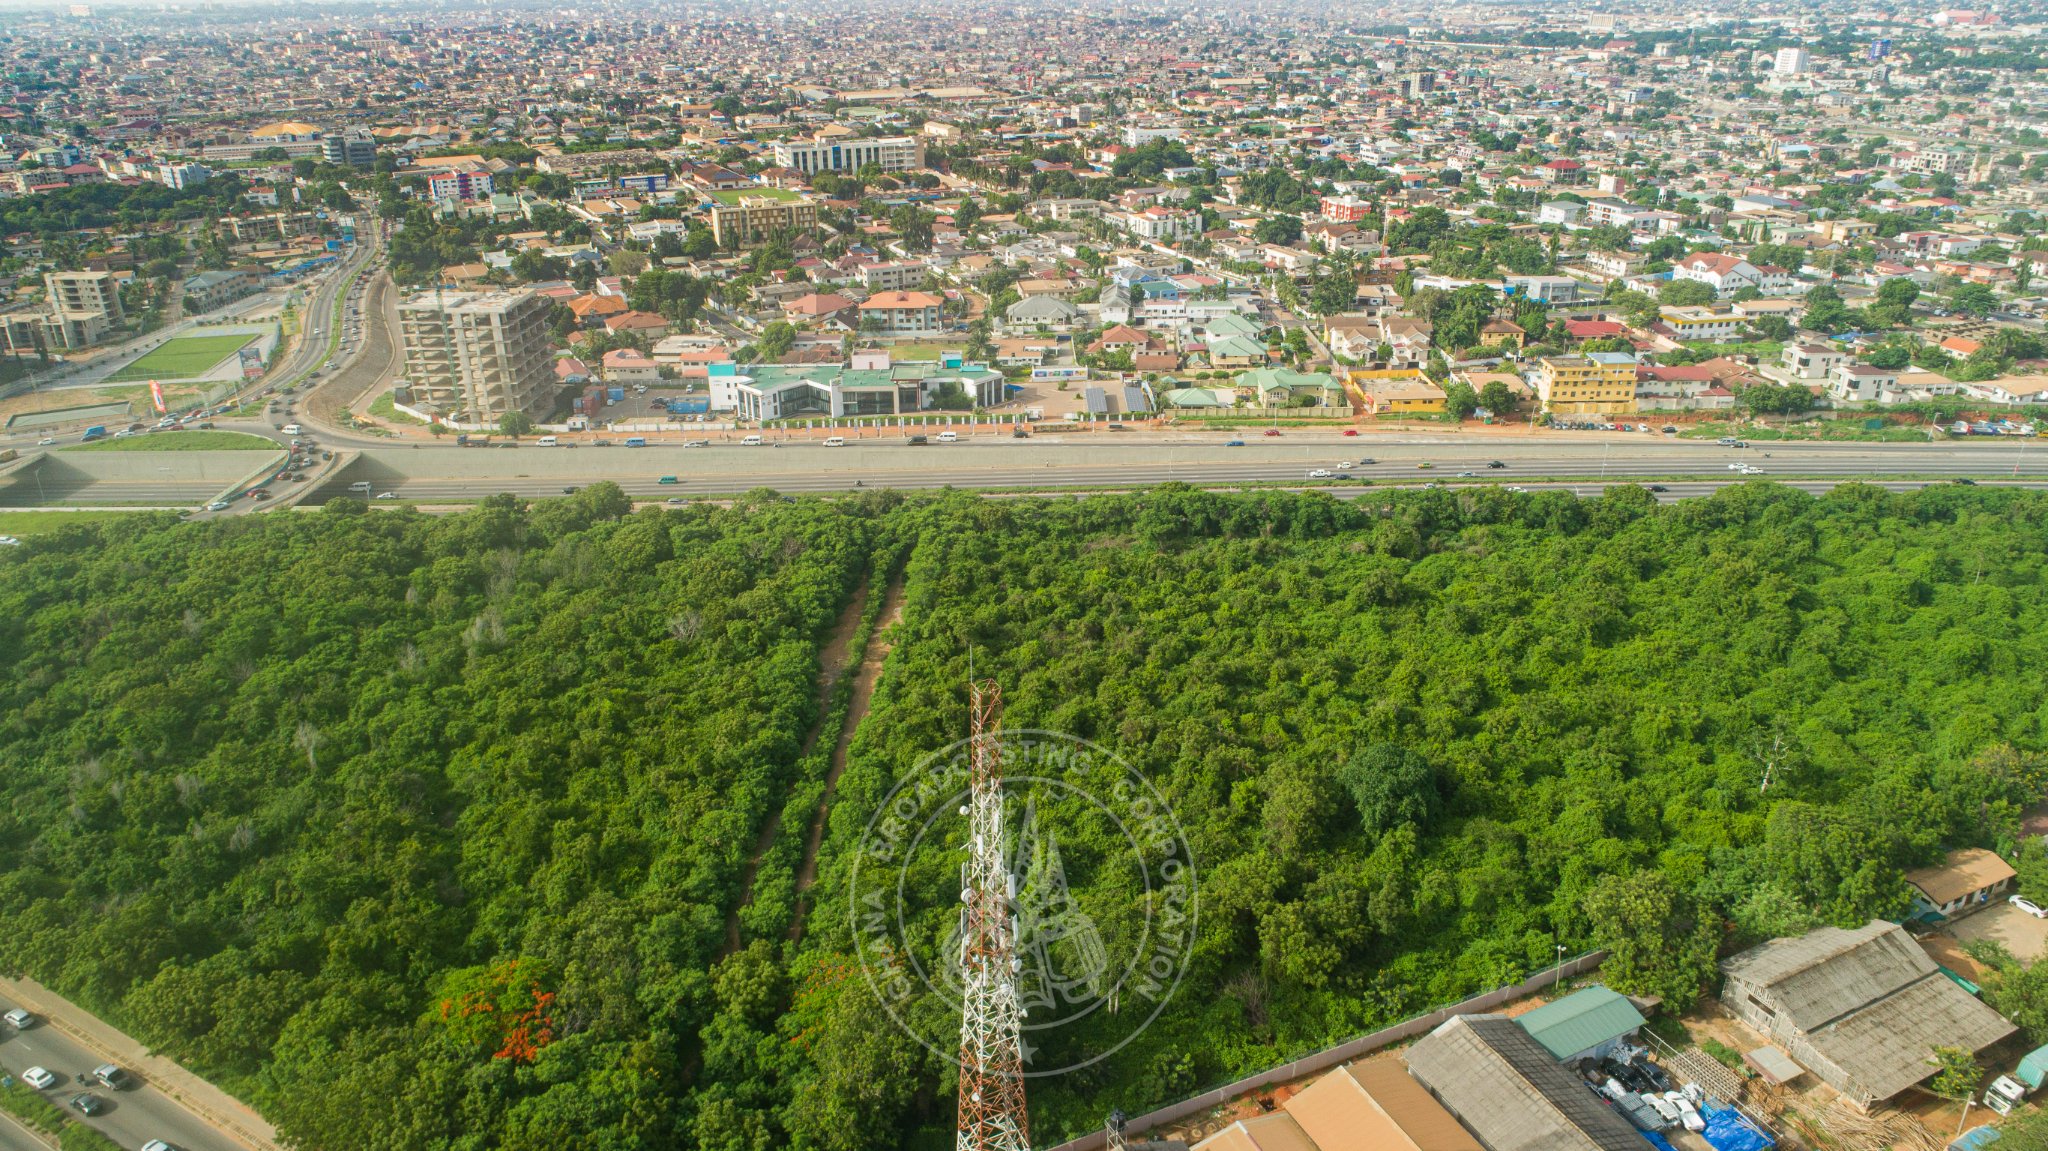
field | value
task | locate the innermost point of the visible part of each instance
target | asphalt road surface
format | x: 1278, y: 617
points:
x: 132, y: 1117
x: 433, y: 474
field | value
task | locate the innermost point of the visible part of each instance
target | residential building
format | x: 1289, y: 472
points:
x: 477, y: 357
x: 902, y: 313
x: 1861, y: 1009
x: 1035, y: 312
x: 459, y: 184
x: 1598, y: 383
x: 1725, y: 274
x: 1395, y: 391
x: 1346, y: 209
x: 205, y: 291
x: 1861, y: 383
x: 850, y: 154
x: 83, y: 308
x: 1968, y: 880
x: 1815, y: 362
x: 893, y: 277
x: 1160, y: 223
x: 357, y: 149
x: 740, y: 218
x: 1791, y: 62
x: 1701, y: 322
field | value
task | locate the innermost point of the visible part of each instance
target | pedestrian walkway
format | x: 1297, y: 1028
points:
x: 233, y: 1117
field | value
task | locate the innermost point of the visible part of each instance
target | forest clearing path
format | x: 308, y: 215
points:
x: 832, y: 665
x: 864, y: 682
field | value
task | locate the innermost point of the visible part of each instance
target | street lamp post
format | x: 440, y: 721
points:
x: 1558, y: 981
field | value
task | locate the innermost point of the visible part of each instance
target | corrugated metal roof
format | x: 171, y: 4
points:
x: 1582, y: 1020
x: 1505, y: 1087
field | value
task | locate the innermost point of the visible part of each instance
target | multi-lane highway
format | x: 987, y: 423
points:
x: 132, y: 1117
x: 447, y: 474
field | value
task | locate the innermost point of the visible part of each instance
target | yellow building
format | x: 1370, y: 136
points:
x: 1598, y: 383
x: 742, y: 218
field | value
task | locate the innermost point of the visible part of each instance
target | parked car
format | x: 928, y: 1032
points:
x: 2029, y: 906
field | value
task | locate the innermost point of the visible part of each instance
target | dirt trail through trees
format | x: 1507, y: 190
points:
x: 856, y: 710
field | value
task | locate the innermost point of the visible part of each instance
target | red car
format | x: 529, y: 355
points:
x: 1350, y: 431
x: 1272, y: 431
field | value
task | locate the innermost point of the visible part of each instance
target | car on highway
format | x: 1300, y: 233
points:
x: 1321, y: 474
x: 1656, y: 488
x: 1350, y: 431
x: 112, y: 1077
x: 217, y: 506
x: 1425, y: 465
x: 675, y: 500
x: 1270, y: 432
x: 1495, y: 464
x: 1966, y: 481
x: 1233, y: 443
x: 387, y: 495
x: 157, y: 1145
x: 46, y: 441
x: 40, y: 1078
x: 944, y: 437
x: 19, y: 1019
x: 86, y: 1103
x: 912, y: 441
x: 668, y: 480
x: 1345, y: 465
x: 835, y: 441
x: 2028, y: 906
x: 1466, y: 475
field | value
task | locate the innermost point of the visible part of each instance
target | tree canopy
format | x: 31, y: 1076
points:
x: 431, y: 832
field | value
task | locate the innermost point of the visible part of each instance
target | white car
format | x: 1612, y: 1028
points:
x: 46, y: 441
x: 18, y: 1018
x: 1688, y: 1116
x: 387, y: 495
x: 1345, y: 465
x: 9, y: 542
x: 217, y: 506
x: 2029, y: 906
x: 158, y: 1145
x: 835, y: 441
x: 1736, y: 467
x: 39, y: 1078
x: 1321, y: 474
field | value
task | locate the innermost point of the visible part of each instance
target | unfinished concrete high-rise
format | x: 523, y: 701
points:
x: 475, y: 357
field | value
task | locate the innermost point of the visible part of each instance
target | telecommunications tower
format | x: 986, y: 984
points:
x: 992, y: 1114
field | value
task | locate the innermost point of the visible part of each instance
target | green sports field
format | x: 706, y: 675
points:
x: 184, y: 358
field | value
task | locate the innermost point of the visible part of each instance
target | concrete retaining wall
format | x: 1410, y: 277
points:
x: 1340, y: 1054
x: 221, y: 467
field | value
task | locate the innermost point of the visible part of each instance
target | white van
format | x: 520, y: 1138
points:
x: 835, y: 441
x: 948, y: 437
x: 546, y: 442
x: 750, y: 441
x: 290, y: 429
x: 360, y: 486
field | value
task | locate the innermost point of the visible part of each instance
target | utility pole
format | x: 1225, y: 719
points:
x: 992, y: 1114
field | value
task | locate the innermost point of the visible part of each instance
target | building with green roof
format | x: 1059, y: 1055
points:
x: 875, y: 388
x: 1586, y: 1024
x: 1280, y: 388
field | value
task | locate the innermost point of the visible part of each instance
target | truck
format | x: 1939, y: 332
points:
x: 95, y: 432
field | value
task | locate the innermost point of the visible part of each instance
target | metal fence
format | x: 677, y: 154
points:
x: 1343, y: 1052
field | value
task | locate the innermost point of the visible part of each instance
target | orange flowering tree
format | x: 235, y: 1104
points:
x: 506, y: 1008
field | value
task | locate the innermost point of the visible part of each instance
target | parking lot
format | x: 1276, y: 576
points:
x: 2022, y: 934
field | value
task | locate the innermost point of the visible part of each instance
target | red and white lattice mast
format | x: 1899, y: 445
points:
x: 992, y: 1114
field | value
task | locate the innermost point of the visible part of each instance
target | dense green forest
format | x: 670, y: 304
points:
x: 425, y: 833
